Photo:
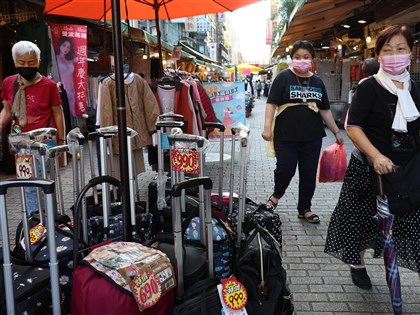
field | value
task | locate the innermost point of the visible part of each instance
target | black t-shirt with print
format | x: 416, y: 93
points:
x: 298, y: 123
x: 373, y: 109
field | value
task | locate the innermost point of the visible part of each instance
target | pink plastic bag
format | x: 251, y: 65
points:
x: 332, y: 164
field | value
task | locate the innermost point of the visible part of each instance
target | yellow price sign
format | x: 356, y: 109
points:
x: 24, y: 166
x: 234, y: 293
x: 146, y: 289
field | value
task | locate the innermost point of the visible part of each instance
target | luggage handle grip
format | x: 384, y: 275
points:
x: 48, y: 186
x: 169, y: 124
x: 54, y: 151
x: 92, y: 136
x: 37, y: 146
x: 75, y: 135
x: 186, y: 138
x: 105, y: 179
x: 216, y: 125
x: 206, y: 182
x: 171, y: 116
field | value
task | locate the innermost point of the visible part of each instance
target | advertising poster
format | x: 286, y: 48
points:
x: 228, y: 100
x: 70, y: 47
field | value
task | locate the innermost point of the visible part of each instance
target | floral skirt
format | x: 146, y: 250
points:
x: 352, y: 227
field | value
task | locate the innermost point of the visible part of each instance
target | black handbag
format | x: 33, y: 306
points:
x: 402, y: 187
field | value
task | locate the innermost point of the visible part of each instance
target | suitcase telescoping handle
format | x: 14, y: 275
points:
x: 78, y: 217
x: 214, y: 125
x: 221, y: 128
x: 75, y: 135
x: 176, y: 193
x: 48, y: 187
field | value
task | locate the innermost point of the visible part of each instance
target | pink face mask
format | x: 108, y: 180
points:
x: 395, y: 64
x: 302, y: 66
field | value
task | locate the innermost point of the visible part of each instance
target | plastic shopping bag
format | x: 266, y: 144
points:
x: 332, y: 164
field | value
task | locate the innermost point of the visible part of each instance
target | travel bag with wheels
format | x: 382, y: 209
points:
x: 19, y: 294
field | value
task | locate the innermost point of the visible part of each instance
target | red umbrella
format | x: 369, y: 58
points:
x: 142, y: 9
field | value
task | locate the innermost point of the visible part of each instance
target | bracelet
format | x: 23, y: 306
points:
x: 336, y: 132
x: 61, y: 140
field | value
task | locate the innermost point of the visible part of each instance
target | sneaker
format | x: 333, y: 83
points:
x: 360, y: 278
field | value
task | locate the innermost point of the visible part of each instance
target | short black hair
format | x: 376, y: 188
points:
x: 370, y: 66
x: 304, y: 44
x: 396, y: 29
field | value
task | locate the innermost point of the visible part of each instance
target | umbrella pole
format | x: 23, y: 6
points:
x: 159, y: 41
x: 122, y: 120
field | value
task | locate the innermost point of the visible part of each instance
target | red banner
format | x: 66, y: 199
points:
x: 70, y: 47
x: 353, y: 72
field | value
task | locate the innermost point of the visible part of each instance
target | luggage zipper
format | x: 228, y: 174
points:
x: 262, y: 289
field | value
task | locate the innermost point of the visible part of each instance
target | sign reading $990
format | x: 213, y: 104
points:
x: 185, y: 160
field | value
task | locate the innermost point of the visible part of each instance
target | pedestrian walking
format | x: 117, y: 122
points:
x: 258, y: 87
x: 383, y: 124
x: 296, y: 106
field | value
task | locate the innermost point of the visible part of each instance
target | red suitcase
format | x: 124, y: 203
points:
x: 94, y: 294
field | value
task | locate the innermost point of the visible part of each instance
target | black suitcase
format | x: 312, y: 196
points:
x: 12, y: 295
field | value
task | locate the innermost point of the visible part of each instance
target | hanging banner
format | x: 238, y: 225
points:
x: 70, y: 47
x: 228, y: 100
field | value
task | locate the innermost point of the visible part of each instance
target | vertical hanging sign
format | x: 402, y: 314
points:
x: 70, y: 47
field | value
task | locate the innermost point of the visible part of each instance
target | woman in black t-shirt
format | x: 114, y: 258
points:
x: 302, y: 99
x: 384, y: 136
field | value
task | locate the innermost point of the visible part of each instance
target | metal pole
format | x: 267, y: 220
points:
x: 122, y: 120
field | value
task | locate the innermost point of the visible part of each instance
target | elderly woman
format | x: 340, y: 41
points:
x: 30, y: 100
x: 385, y: 137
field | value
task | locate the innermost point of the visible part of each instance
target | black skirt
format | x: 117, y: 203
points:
x: 352, y: 227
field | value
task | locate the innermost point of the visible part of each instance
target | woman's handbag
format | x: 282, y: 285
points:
x: 402, y: 187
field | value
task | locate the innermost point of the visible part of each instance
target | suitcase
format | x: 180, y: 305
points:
x: 12, y: 294
x: 196, y: 267
x: 201, y: 297
x: 39, y: 253
x: 92, y: 292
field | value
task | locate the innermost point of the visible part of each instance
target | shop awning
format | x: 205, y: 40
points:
x: 152, y: 41
x: 197, y: 54
x: 314, y: 20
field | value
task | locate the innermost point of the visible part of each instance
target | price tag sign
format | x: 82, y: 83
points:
x: 146, y: 289
x: 24, y: 166
x: 234, y: 293
x: 185, y: 161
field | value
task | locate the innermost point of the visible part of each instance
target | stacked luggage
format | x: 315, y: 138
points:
x: 184, y: 267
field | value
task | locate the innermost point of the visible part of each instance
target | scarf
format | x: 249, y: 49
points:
x: 280, y: 109
x: 405, y: 110
x: 19, y: 100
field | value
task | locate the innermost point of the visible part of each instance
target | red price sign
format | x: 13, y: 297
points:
x: 185, y: 161
x: 24, y: 166
x: 146, y: 289
x: 234, y: 293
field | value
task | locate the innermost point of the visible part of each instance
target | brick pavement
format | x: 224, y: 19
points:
x: 321, y: 284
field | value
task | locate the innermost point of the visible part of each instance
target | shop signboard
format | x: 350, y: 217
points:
x: 228, y: 100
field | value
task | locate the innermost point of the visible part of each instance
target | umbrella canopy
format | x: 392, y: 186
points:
x: 142, y: 9
x: 245, y: 68
x: 385, y: 219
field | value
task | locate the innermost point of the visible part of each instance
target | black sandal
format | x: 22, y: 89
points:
x: 313, y: 218
x: 270, y: 201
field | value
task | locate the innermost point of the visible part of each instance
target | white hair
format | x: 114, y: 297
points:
x: 24, y: 47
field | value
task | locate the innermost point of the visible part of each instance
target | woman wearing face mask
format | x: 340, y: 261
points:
x: 383, y: 124
x: 298, y: 103
x: 30, y: 100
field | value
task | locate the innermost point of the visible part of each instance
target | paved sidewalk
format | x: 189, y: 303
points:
x: 321, y: 284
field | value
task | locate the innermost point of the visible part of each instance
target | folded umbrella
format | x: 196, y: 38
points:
x: 384, y: 218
